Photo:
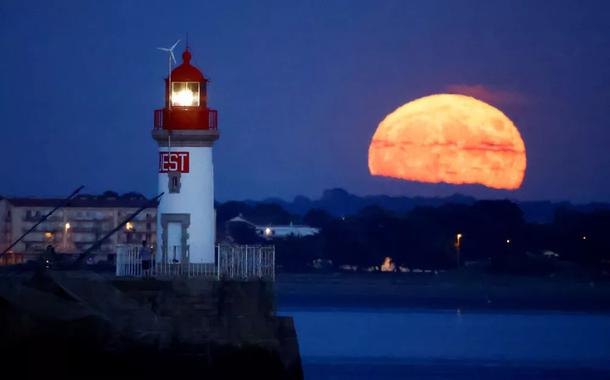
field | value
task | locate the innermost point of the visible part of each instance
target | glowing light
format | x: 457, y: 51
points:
x: 185, y: 94
x: 449, y: 138
x: 129, y: 226
x: 268, y: 231
x: 388, y: 265
x: 183, y: 98
x: 48, y: 235
x: 584, y: 238
x: 458, y: 239
x: 507, y: 241
x: 67, y: 227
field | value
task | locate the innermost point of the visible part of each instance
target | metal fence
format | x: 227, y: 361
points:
x: 232, y: 262
x: 128, y: 261
x: 244, y: 262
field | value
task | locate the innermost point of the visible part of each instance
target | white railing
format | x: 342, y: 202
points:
x: 128, y: 261
x: 233, y: 262
x: 246, y: 262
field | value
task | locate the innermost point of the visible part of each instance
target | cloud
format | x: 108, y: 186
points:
x: 485, y: 93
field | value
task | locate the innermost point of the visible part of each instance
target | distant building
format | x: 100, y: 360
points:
x: 269, y: 231
x: 283, y: 231
x: 73, y: 228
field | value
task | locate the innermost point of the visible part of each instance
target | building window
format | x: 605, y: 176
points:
x: 174, y: 182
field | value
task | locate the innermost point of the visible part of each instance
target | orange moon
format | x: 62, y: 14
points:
x: 449, y: 138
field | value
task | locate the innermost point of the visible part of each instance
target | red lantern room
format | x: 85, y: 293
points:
x: 186, y: 100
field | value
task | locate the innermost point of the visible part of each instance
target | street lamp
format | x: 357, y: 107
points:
x: 458, y: 245
x: 129, y: 230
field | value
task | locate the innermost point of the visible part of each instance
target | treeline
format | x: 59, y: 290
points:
x: 426, y: 237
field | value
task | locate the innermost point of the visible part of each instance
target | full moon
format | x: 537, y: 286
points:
x: 449, y: 138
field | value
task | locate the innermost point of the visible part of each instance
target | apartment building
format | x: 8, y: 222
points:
x: 75, y: 227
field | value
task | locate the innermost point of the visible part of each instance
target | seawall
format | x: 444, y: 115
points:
x: 77, y: 323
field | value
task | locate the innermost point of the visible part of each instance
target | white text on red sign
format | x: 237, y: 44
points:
x: 173, y: 162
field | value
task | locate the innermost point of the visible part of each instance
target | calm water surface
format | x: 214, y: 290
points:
x: 435, y: 344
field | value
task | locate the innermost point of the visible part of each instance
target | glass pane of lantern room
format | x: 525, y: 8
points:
x: 178, y: 86
x: 194, y: 88
x: 178, y: 93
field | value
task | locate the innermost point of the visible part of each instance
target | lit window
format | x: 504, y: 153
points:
x: 185, y: 94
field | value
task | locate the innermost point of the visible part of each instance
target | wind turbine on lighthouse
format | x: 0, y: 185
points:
x: 185, y: 131
x: 170, y: 58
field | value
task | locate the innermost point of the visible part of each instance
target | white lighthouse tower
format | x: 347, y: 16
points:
x: 185, y: 130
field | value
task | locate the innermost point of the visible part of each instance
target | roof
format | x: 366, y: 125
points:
x: 187, y: 72
x: 293, y: 226
x: 240, y: 219
x: 82, y: 202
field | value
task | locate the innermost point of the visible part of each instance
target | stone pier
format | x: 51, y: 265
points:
x: 90, y: 325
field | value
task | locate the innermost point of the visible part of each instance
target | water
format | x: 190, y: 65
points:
x: 434, y: 344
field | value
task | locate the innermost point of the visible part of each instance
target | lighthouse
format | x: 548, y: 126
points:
x: 185, y: 130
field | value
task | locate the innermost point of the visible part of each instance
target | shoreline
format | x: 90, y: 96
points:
x: 463, y: 291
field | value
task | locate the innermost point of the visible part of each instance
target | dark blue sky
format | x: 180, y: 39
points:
x: 300, y: 88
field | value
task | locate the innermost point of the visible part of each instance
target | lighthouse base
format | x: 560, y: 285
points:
x: 186, y: 220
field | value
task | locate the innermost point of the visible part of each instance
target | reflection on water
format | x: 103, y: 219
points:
x: 431, y: 344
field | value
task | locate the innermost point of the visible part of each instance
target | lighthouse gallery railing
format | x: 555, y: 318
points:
x: 160, y: 116
x: 233, y: 262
